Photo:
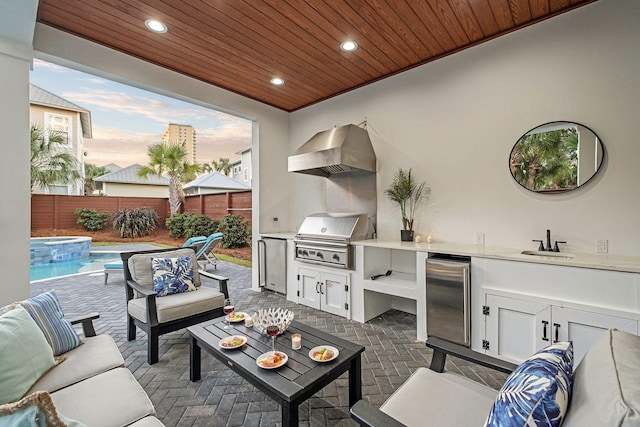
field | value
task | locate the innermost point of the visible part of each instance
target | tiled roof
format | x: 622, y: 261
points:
x: 215, y: 180
x: 45, y: 98
x: 129, y: 175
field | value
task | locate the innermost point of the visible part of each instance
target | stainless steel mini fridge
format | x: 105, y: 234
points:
x: 272, y: 264
x: 448, y: 299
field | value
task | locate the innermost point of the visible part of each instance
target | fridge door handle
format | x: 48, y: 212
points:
x: 262, y: 281
x: 466, y: 309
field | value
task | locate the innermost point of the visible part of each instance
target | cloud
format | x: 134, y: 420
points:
x: 37, y: 63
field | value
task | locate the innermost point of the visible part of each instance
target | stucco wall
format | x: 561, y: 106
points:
x: 454, y: 122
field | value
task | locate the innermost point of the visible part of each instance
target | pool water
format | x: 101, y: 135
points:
x: 95, y: 262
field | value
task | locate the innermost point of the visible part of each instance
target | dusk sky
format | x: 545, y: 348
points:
x: 127, y: 120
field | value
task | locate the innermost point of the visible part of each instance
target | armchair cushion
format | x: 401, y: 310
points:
x: 537, y: 393
x: 45, y: 309
x: 140, y: 266
x: 24, y: 355
x: 418, y: 391
x: 172, y: 275
x: 178, y: 306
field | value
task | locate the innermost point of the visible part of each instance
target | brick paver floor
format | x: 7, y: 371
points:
x: 223, y: 398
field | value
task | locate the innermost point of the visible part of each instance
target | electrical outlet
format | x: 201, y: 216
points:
x: 274, y: 219
x: 479, y: 238
x: 602, y: 246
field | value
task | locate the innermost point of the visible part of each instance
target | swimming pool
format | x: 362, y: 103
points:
x: 94, y: 262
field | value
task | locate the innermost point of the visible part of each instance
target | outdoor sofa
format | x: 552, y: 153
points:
x: 85, y: 384
x: 604, y: 390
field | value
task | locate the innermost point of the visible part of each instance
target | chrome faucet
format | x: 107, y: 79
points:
x: 549, y: 248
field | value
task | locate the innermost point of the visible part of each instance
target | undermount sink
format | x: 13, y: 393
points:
x: 549, y: 254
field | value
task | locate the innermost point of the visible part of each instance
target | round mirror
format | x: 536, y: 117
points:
x: 556, y: 157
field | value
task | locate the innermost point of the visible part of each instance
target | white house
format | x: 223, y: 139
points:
x: 212, y: 183
x: 126, y: 183
x: 50, y: 112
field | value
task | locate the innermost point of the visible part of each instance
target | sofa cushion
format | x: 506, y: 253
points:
x: 34, y: 410
x: 178, y: 306
x: 47, y: 312
x: 537, y: 392
x: 606, y: 390
x: 140, y: 266
x: 113, y: 398
x: 413, y: 403
x: 147, y: 422
x: 172, y: 275
x: 97, y: 355
x: 25, y: 354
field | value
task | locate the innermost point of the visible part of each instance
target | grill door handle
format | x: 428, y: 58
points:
x: 556, y: 327
x: 317, y: 286
x: 321, y: 293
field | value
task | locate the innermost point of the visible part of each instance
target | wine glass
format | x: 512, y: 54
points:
x: 272, y: 331
x: 228, y: 309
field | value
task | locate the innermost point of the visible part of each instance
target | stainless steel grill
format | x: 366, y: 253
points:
x: 325, y: 239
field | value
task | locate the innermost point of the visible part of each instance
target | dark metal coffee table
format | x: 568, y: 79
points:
x: 291, y: 384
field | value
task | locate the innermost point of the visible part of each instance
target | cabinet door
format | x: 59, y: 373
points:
x: 334, y: 289
x: 584, y: 328
x: 308, y: 287
x: 515, y: 328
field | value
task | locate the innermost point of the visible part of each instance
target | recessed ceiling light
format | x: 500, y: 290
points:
x: 277, y: 81
x: 349, y: 46
x: 155, y: 26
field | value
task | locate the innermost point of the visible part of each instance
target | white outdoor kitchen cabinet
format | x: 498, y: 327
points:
x: 517, y: 327
x: 324, y: 289
x: 520, y: 308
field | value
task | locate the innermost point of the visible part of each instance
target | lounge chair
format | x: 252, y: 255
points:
x: 202, y: 245
x: 204, y: 249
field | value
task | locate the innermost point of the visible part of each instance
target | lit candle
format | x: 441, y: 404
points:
x: 248, y: 321
x: 296, y: 341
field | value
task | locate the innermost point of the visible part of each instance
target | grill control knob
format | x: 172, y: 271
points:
x: 320, y: 255
x: 336, y: 257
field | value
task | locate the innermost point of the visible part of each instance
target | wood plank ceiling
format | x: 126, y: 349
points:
x: 240, y: 45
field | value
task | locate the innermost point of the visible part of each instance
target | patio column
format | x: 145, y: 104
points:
x: 15, y: 221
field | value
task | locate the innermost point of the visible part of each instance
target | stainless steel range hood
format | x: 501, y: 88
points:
x: 341, y: 150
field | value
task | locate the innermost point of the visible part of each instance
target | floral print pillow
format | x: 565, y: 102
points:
x: 172, y: 275
x: 537, y: 392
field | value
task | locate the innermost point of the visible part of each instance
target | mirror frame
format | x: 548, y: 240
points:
x: 600, y: 154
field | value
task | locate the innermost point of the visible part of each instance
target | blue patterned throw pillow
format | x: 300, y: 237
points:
x: 172, y: 275
x: 537, y: 392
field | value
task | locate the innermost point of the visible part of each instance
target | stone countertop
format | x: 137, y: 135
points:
x: 288, y: 235
x: 596, y: 261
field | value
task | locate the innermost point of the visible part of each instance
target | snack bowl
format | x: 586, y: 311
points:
x: 280, y: 317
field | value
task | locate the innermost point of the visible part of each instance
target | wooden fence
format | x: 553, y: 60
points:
x: 49, y: 211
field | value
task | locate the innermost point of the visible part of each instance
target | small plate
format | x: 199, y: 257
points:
x: 232, y: 342
x: 263, y: 360
x: 327, y: 348
x: 237, y: 317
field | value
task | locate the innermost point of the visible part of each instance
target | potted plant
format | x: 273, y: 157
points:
x: 408, y: 194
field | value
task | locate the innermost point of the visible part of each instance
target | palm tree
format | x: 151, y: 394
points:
x: 50, y: 164
x: 222, y: 165
x: 171, y: 160
x: 91, y: 172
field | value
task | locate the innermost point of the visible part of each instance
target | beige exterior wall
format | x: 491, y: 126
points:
x: 135, y: 190
x: 182, y: 134
x: 38, y: 116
